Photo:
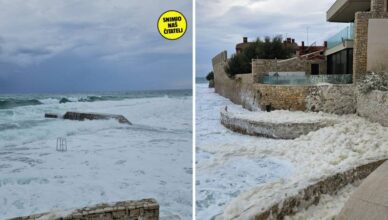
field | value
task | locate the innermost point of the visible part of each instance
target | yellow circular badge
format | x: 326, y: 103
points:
x: 172, y: 25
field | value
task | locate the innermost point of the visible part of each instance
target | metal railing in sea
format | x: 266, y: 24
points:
x: 61, y: 144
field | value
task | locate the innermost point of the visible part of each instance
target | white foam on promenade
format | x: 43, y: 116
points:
x: 310, y: 158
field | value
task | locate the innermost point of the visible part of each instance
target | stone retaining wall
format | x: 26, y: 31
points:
x: 222, y: 83
x: 374, y: 106
x: 147, y: 209
x: 336, y: 99
x: 312, y: 194
x: 281, y: 97
x: 270, y: 129
x: 238, y: 90
x: 243, y: 91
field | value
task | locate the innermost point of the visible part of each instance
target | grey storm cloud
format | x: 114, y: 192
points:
x: 222, y: 23
x: 33, y: 51
x: 40, y: 38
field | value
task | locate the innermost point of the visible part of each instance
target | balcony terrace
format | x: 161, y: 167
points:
x: 346, y: 34
x: 345, y: 10
x: 340, y: 41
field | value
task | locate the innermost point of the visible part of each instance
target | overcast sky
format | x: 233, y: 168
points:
x: 222, y: 23
x: 91, y: 45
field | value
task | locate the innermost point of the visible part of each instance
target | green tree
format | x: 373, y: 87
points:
x: 267, y: 49
x: 237, y: 64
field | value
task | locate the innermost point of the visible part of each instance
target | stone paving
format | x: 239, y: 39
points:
x: 370, y: 200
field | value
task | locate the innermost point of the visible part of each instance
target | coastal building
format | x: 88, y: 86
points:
x: 301, y: 82
x: 363, y: 45
x: 242, y: 46
x: 299, y: 50
x: 360, y: 47
x: 306, y: 59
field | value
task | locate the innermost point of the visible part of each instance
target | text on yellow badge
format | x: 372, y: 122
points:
x: 172, y: 25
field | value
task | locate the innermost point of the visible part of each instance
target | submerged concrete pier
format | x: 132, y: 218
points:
x: 80, y: 116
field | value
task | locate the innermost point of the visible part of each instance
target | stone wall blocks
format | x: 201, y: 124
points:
x: 121, y: 210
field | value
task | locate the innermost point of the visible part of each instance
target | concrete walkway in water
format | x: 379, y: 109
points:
x: 370, y: 200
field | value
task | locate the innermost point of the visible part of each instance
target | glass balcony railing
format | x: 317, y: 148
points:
x: 306, y: 80
x: 345, y: 34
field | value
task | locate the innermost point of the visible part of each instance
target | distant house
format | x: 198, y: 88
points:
x: 360, y: 47
x: 242, y: 46
x: 289, y: 42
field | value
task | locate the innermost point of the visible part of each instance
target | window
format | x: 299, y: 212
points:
x: 340, y: 62
x: 314, y: 69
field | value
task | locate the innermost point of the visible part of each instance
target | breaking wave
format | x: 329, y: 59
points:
x: 17, y: 101
x: 12, y: 103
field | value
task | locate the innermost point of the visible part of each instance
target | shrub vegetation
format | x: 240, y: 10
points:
x: 210, y: 76
x: 260, y: 49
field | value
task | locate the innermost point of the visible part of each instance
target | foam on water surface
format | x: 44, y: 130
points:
x: 223, y: 176
x: 105, y: 162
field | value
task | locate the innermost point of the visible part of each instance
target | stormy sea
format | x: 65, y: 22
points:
x: 105, y: 161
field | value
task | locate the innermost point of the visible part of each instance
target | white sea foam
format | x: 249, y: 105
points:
x: 223, y: 176
x: 282, y: 116
x: 352, y: 142
x: 105, y: 162
x: 328, y: 207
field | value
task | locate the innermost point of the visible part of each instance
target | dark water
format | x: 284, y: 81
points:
x: 12, y: 101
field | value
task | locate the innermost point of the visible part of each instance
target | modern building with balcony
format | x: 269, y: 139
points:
x: 300, y: 83
x: 340, y: 52
x: 363, y: 45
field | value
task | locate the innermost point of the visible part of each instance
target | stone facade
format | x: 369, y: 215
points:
x: 361, y: 23
x: 262, y: 67
x: 147, y: 209
x: 336, y: 99
x: 284, y: 97
x: 378, y: 6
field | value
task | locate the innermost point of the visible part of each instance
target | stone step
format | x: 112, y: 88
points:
x: 261, y: 124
